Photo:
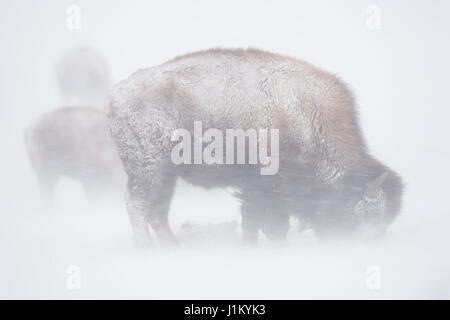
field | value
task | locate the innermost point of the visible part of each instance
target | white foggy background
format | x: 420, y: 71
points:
x: 400, y: 78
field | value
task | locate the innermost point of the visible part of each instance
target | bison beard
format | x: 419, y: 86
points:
x: 326, y: 176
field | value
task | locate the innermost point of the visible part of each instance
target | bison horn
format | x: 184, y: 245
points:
x: 373, y: 188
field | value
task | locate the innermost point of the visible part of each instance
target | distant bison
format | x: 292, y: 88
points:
x: 75, y: 142
x: 83, y: 76
x: 326, y: 176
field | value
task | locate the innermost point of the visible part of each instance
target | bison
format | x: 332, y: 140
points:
x: 75, y: 142
x: 326, y: 175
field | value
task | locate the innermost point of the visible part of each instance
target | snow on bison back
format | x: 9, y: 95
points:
x: 325, y: 176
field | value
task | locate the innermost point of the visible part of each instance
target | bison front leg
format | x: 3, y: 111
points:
x: 263, y: 209
x: 276, y: 224
x: 252, y: 221
x: 272, y: 219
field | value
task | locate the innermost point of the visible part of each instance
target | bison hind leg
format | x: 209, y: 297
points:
x: 144, y: 146
x: 136, y: 208
x: 158, y: 213
x: 148, y: 201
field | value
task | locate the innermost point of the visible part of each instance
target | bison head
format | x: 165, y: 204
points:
x: 364, y: 204
x: 373, y: 202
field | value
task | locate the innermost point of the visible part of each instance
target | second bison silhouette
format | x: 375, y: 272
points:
x: 75, y: 142
x: 326, y: 175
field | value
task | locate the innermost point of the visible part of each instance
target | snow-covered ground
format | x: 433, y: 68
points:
x: 399, y: 75
x: 37, y: 248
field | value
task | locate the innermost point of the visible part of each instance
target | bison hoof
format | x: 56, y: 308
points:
x: 250, y: 240
x: 169, y: 241
x: 143, y: 243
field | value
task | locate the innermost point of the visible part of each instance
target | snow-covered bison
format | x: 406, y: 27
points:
x: 75, y: 142
x: 326, y: 175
